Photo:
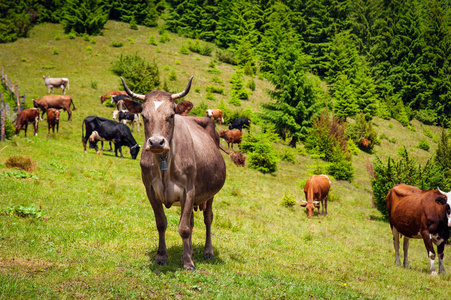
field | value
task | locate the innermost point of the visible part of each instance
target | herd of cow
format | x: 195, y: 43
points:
x: 181, y: 165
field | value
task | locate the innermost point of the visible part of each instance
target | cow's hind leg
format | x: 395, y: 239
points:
x: 405, y: 247
x: 208, y: 219
x: 441, y: 255
x: 161, y: 222
x: 396, y: 245
x: 185, y: 229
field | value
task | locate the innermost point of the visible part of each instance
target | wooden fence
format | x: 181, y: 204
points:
x: 13, y: 91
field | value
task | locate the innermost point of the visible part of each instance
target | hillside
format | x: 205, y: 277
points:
x: 97, y: 236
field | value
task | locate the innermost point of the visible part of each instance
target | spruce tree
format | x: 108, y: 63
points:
x: 345, y: 102
x: 85, y: 16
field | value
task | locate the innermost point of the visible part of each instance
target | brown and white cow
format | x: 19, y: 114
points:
x: 53, y: 119
x: 215, y: 115
x: 25, y: 117
x: 416, y: 214
x: 316, y: 191
x: 111, y: 93
x: 180, y: 165
x: 54, y: 101
x: 62, y: 83
x: 231, y: 136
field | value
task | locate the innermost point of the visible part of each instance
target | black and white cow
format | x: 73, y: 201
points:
x: 239, y: 123
x: 119, y: 100
x: 125, y: 117
x: 102, y: 129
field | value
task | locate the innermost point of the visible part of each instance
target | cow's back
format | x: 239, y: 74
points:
x: 55, y: 101
x: 318, y: 187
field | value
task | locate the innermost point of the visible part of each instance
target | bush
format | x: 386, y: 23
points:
x: 426, y: 116
x: 225, y: 56
x: 21, y: 163
x: 210, y: 96
x: 341, y: 170
x: 184, y: 50
x: 71, y: 35
x: 362, y: 133
x: 288, y: 201
x: 165, y: 38
x: 172, y: 76
x: 215, y: 89
x: 287, y: 154
x: 140, y: 75
x: 133, y: 24
x: 9, y: 129
x: 23, y: 211
x: 251, y: 84
x: 199, y: 110
x: 117, y: 44
x: 386, y: 176
x: 196, y: 47
x: 55, y: 52
x: 427, y: 133
x: 263, y: 158
x: 152, y: 41
x: 423, y: 145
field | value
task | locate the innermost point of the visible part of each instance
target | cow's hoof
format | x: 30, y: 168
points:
x: 160, y: 262
x: 209, y: 256
x: 189, y: 268
x: 434, y: 273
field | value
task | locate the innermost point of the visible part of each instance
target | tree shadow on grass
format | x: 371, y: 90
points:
x: 174, y: 262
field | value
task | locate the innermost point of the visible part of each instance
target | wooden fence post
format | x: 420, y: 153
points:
x: 2, y: 118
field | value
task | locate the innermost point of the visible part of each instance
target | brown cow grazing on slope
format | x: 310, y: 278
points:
x: 417, y: 214
x: 316, y: 190
x: 54, y: 101
x: 215, y: 115
x: 62, y: 83
x: 26, y: 116
x: 180, y: 165
x: 53, y: 118
x: 231, y: 136
x: 111, y: 93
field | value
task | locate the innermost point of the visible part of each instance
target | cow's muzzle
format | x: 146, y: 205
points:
x: 156, y: 144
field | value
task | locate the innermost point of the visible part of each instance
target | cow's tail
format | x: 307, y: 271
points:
x: 83, y: 131
x: 73, y: 105
x: 68, y: 86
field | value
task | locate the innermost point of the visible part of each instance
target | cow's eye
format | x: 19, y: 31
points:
x: 171, y: 116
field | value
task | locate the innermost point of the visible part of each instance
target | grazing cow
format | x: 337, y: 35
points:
x: 111, y: 93
x: 27, y: 116
x: 126, y: 117
x: 231, y: 136
x: 101, y: 129
x: 215, y: 115
x: 316, y: 190
x: 183, y: 107
x: 53, y: 118
x: 239, y: 123
x: 57, y: 83
x: 54, y: 101
x: 416, y: 214
x: 181, y: 165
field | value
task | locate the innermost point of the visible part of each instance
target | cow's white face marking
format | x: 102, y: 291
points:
x: 157, y: 104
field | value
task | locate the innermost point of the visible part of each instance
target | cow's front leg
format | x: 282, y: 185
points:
x: 396, y: 245
x: 441, y: 255
x: 208, y: 219
x: 185, y: 229
x: 325, y: 205
x: 430, y: 249
x: 405, y: 247
x: 161, y: 222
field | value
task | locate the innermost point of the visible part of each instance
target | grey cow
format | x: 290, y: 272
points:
x: 51, y: 83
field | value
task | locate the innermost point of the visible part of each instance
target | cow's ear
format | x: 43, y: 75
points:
x: 304, y: 204
x: 441, y: 200
x: 184, y: 107
x: 133, y: 106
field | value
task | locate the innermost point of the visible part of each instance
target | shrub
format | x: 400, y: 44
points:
x: 215, y: 89
x: 197, y: 89
x: 71, y: 35
x: 251, y: 84
x: 57, y: 37
x: 288, y: 201
x: 172, y: 76
x: 86, y: 37
x: 9, y: 129
x: 184, y: 50
x: 362, y: 133
x: 390, y: 125
x: 132, y: 41
x: 196, y: 47
x: 152, y: 41
x: 287, y: 154
x: 177, y: 62
x: 94, y: 85
x: 423, y: 145
x: 21, y: 163
x: 426, y: 116
x: 263, y: 158
x: 165, y: 38
x: 23, y: 211
x: 55, y: 52
x: 234, y: 101
x: 386, y: 176
x: 341, y: 169
x: 216, y: 79
x: 93, y: 41
x: 133, y: 24
x: 117, y: 44
x: 89, y: 49
x: 141, y: 76
x: 225, y: 56
x: 210, y: 96
x: 214, y: 71
x: 427, y: 133
x: 199, y: 110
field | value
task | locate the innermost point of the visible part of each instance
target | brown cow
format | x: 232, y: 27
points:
x: 111, y: 93
x: 26, y: 116
x: 53, y: 118
x: 184, y: 107
x: 54, y: 101
x: 231, y: 136
x: 215, y: 115
x: 181, y: 165
x: 417, y: 214
x: 316, y: 190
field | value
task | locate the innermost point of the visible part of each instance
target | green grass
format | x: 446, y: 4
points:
x: 96, y: 237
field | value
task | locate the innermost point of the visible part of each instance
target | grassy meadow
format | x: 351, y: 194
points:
x: 97, y: 237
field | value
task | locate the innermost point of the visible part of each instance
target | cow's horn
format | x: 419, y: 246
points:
x: 182, y: 94
x: 130, y: 93
x: 441, y: 191
x: 315, y: 202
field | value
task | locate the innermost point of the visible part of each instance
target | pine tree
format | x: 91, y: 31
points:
x: 296, y: 97
x: 144, y: 12
x: 85, y: 16
x: 345, y: 102
x: 365, y: 92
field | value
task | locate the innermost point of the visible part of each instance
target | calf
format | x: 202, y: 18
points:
x: 415, y: 214
x: 239, y: 123
x: 231, y: 136
x: 101, y: 129
x: 215, y: 115
x: 316, y: 190
x: 53, y: 118
x: 26, y: 116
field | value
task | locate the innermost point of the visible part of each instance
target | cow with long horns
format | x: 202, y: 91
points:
x: 181, y: 165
